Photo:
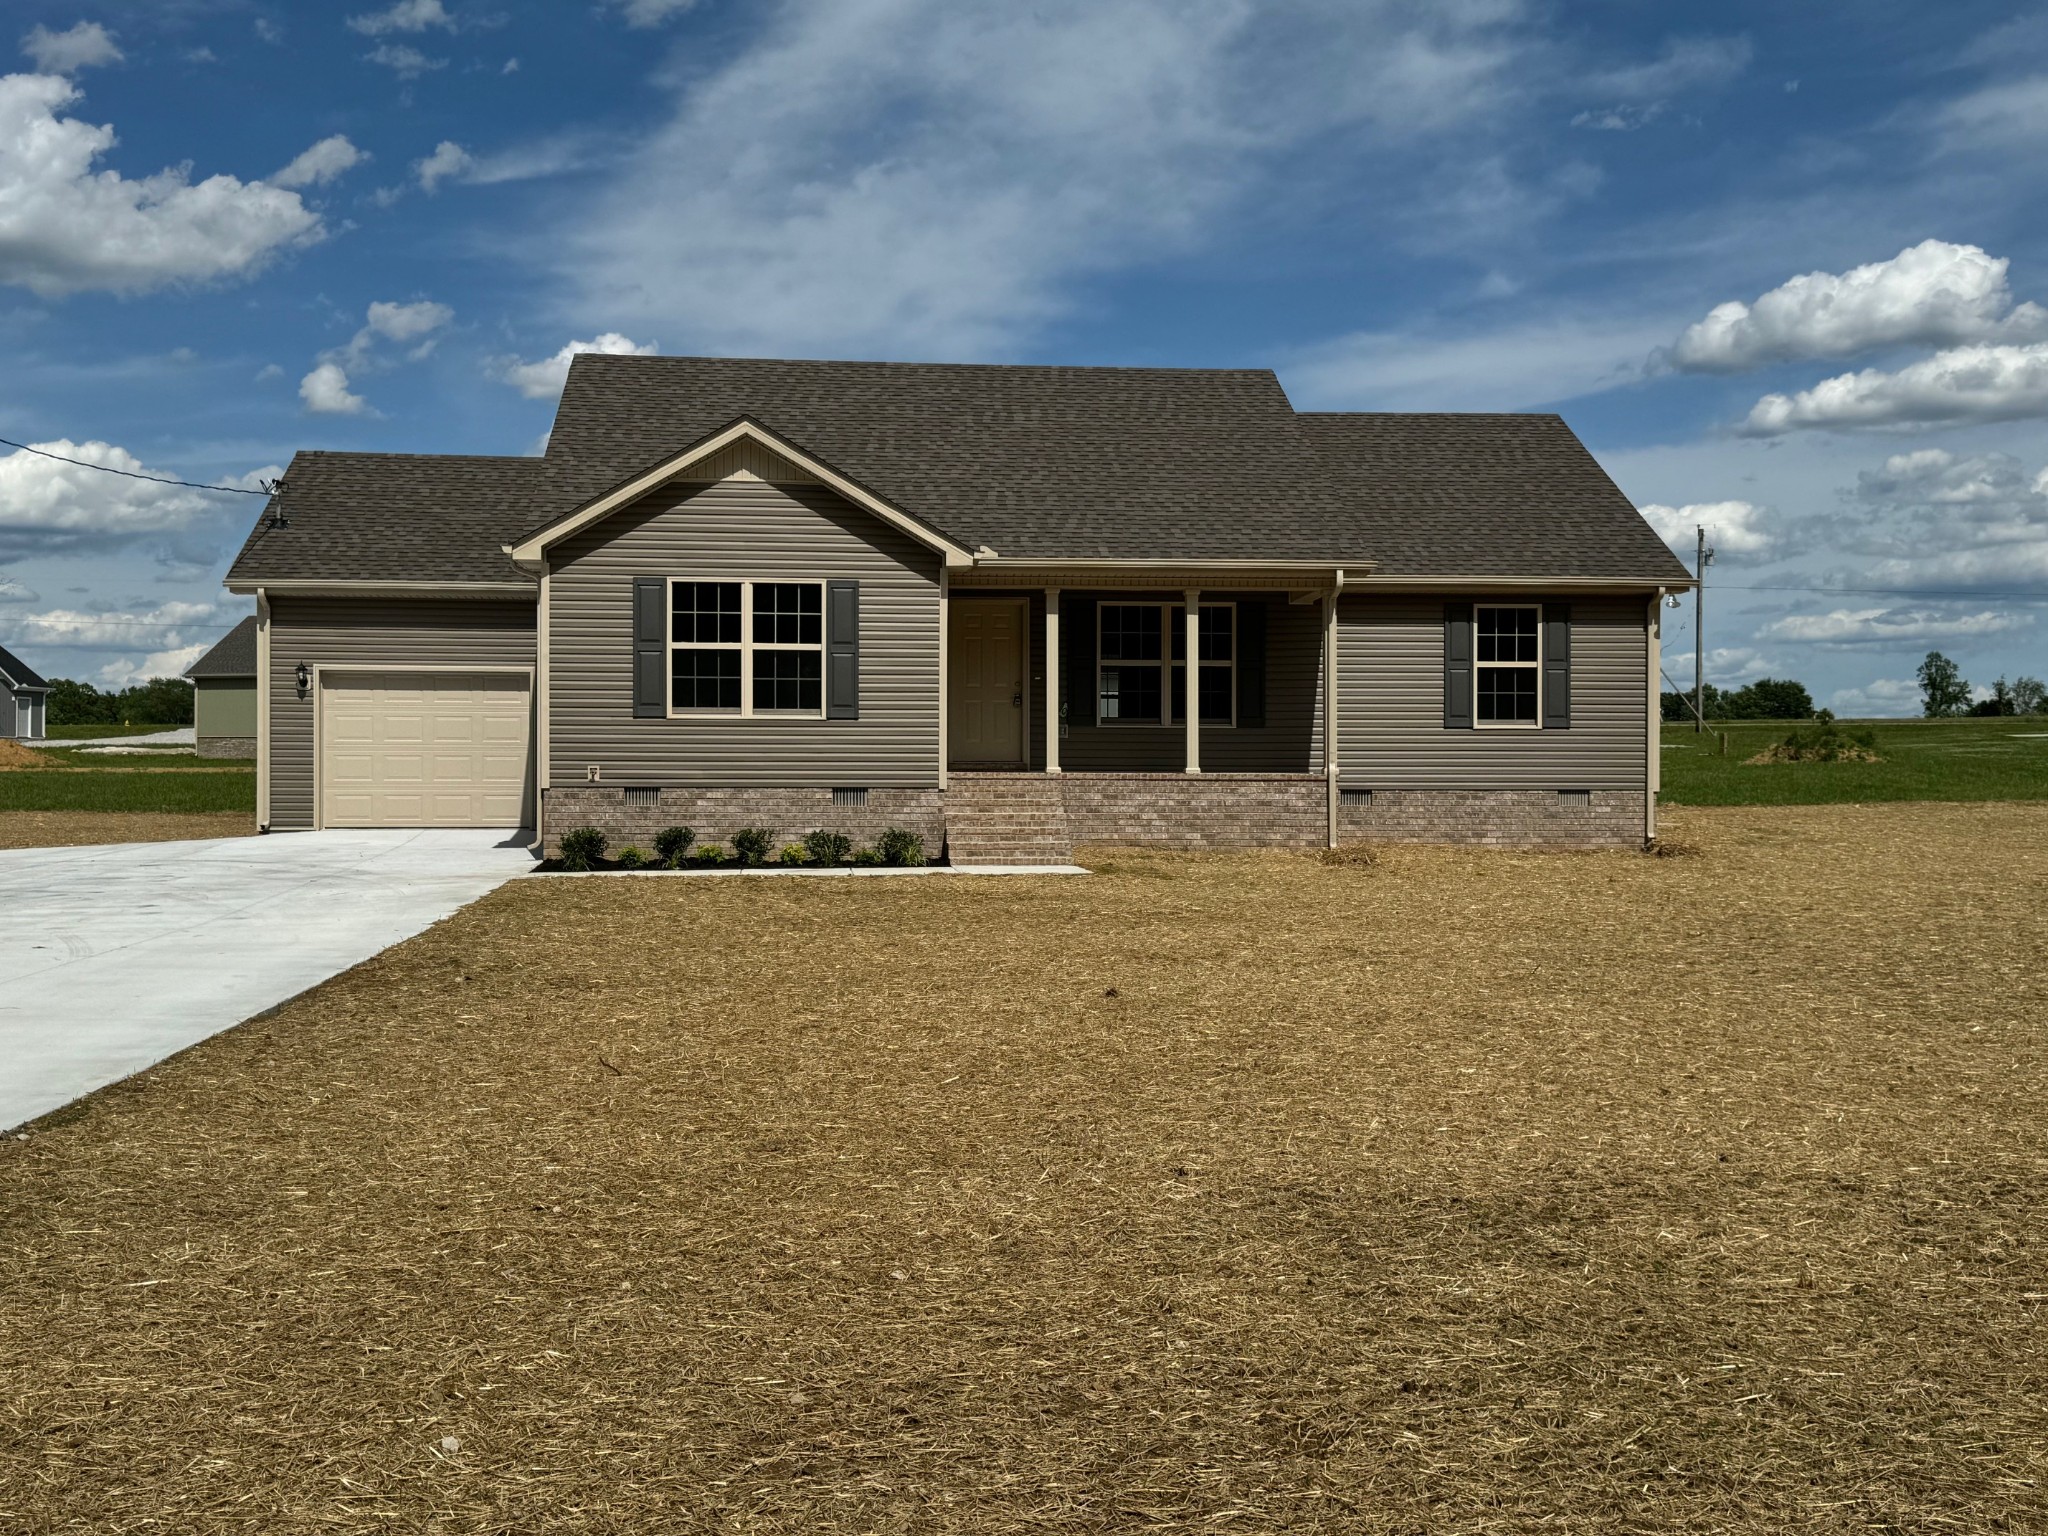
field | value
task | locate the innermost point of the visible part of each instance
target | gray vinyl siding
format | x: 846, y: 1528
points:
x: 370, y: 632
x: 224, y: 706
x: 1390, y: 716
x: 1289, y: 742
x: 732, y: 531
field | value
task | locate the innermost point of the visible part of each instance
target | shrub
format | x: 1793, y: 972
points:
x: 1830, y: 742
x: 828, y: 847
x: 710, y: 853
x: 630, y: 857
x: 752, y: 844
x: 582, y: 847
x: 794, y: 854
x: 672, y: 845
x: 899, y: 847
x: 865, y: 856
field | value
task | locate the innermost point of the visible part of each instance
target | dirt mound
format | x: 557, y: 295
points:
x: 14, y: 755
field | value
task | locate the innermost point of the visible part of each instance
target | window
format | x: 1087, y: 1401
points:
x: 1142, y: 675
x: 747, y: 647
x: 1507, y: 664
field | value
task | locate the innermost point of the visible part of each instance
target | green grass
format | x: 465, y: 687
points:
x: 59, y: 789
x: 96, y: 732
x: 1970, y: 759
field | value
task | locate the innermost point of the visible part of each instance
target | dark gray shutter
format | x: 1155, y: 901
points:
x: 1457, y: 666
x: 650, y: 640
x: 842, y: 650
x: 1077, y: 639
x: 1557, y: 666
x: 1251, y: 663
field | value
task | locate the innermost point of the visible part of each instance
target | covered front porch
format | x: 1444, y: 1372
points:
x: 1086, y: 671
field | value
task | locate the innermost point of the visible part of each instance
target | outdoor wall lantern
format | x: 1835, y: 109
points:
x: 305, y: 679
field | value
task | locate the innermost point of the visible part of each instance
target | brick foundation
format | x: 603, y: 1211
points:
x: 226, y: 746
x: 1198, y: 810
x: 1518, y: 818
x: 715, y: 814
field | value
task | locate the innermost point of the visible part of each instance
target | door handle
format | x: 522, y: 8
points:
x: 1017, y: 700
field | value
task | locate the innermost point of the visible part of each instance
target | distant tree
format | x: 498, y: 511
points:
x: 1944, y: 693
x: 1771, y: 698
x: 2029, y: 696
x: 73, y: 703
x: 1677, y: 705
x: 159, y: 701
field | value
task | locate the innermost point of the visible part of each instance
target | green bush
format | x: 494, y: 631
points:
x: 751, y: 844
x: 828, y: 847
x: 672, y: 845
x: 630, y: 857
x: 866, y: 856
x: 709, y: 853
x: 1829, y: 742
x: 582, y: 848
x: 795, y: 854
x: 898, y: 847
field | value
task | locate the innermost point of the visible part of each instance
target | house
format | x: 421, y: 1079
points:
x: 965, y: 600
x: 224, y: 695
x: 24, y: 699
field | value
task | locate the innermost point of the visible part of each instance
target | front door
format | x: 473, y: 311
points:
x: 985, y: 689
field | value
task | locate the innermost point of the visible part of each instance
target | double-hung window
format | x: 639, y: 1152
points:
x: 746, y: 647
x: 1508, y: 664
x: 1142, y: 663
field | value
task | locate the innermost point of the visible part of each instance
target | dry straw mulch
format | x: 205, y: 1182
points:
x: 76, y: 829
x: 1457, y: 1192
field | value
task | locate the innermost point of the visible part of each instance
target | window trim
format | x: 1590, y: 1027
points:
x: 1479, y: 667
x: 746, y: 647
x: 1166, y: 665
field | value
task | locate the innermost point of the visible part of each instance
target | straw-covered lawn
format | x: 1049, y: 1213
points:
x: 73, y: 829
x: 1461, y: 1192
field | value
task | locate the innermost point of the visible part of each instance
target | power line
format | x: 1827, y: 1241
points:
x: 190, y: 485
x: 1945, y: 592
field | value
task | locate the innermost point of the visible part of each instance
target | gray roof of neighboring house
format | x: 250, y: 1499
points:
x: 1457, y: 494
x: 1054, y: 463
x: 234, y: 656
x: 1032, y: 462
x: 16, y: 673
x: 393, y: 517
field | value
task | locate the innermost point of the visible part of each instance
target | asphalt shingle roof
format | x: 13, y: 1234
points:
x: 1455, y: 494
x: 393, y: 517
x: 16, y: 673
x: 234, y: 656
x: 1032, y: 462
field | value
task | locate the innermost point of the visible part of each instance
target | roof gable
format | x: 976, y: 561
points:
x: 234, y: 655
x: 16, y: 673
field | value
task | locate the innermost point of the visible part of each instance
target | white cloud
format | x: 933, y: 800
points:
x: 67, y: 228
x: 1930, y: 294
x: 1640, y: 93
x: 45, y: 504
x: 65, y: 53
x: 407, y: 322
x: 1891, y: 626
x: 125, y: 673
x: 405, y: 16
x: 2013, y: 112
x: 1619, y: 119
x: 326, y: 393
x: 449, y: 159
x: 1733, y: 527
x: 1962, y: 384
x: 544, y: 380
x: 949, y: 170
x: 331, y: 157
x: 12, y: 591
x: 268, y: 31
x: 68, y: 626
x: 650, y: 13
x: 1510, y: 368
x: 1881, y: 696
x: 403, y: 60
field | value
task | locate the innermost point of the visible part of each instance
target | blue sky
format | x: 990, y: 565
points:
x: 1783, y: 268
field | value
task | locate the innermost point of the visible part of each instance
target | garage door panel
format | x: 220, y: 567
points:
x: 424, y: 749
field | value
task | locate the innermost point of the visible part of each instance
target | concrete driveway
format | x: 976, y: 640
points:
x: 114, y: 957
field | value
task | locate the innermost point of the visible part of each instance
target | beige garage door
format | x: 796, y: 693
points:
x: 423, y: 749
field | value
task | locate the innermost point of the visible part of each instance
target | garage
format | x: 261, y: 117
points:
x: 424, y: 749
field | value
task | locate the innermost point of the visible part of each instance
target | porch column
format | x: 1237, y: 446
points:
x: 1333, y: 794
x: 1191, y: 703
x: 1052, y: 679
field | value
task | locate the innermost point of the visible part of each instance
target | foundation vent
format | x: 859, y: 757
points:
x: 1354, y: 797
x: 640, y: 795
x: 1569, y: 797
x: 849, y: 797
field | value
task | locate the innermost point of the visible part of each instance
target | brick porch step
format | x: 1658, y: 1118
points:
x: 1006, y: 818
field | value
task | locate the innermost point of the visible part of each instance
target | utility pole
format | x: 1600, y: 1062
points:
x: 1703, y: 557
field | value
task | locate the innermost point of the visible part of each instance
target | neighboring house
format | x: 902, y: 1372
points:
x: 24, y: 699
x: 224, y: 695
x: 962, y: 600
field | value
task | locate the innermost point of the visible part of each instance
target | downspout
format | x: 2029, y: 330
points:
x: 1331, y: 791
x: 262, y: 710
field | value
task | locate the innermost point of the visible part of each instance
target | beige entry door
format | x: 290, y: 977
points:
x: 423, y: 749
x: 985, y: 684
